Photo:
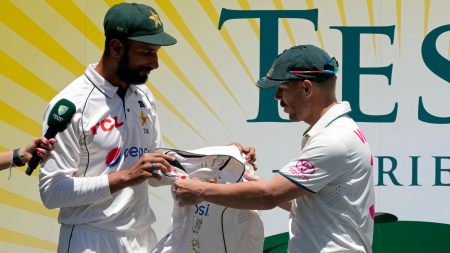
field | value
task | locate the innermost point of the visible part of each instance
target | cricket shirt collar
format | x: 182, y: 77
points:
x: 335, y: 112
x: 102, y: 84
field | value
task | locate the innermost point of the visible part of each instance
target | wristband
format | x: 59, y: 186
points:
x: 16, y: 158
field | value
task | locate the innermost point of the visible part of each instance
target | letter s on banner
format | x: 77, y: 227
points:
x: 439, y: 66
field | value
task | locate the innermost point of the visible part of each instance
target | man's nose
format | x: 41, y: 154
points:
x: 278, y: 94
x: 154, y: 63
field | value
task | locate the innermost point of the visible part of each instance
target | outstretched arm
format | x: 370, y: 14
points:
x: 40, y: 144
x: 248, y: 195
x: 286, y: 205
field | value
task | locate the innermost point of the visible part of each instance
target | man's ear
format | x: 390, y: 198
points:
x: 307, y: 87
x: 115, y: 47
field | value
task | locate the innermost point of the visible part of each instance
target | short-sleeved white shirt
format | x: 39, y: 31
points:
x: 335, y: 165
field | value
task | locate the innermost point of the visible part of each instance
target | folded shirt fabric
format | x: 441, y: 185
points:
x: 207, y: 227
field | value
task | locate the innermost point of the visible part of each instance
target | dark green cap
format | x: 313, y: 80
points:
x: 298, y: 58
x: 136, y: 22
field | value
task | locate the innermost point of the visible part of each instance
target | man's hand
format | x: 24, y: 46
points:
x: 41, y: 145
x: 251, y: 177
x: 140, y: 172
x: 188, y: 192
x: 249, y: 152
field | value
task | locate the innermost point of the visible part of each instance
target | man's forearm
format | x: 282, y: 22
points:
x: 248, y: 195
x: 74, y: 191
x: 117, y: 181
x: 256, y: 195
x: 286, y: 205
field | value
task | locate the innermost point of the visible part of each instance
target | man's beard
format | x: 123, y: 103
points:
x: 129, y: 75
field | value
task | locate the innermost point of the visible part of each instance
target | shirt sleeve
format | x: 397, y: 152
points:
x: 57, y: 185
x: 323, y: 160
x: 157, y: 141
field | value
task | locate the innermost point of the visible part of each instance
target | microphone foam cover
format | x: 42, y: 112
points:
x: 61, y: 114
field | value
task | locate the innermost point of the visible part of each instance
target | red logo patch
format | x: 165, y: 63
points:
x: 306, y: 167
x: 303, y: 167
x: 106, y: 125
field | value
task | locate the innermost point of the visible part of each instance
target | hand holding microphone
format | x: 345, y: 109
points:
x: 58, y: 120
x: 41, y: 146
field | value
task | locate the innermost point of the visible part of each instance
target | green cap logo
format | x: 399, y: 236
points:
x: 62, y: 109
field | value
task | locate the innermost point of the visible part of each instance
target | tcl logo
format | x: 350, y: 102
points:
x: 106, y: 125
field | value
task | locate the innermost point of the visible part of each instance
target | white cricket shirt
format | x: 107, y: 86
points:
x: 207, y: 227
x: 106, y: 134
x: 335, y: 165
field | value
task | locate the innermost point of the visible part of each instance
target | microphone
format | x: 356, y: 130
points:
x: 58, y: 120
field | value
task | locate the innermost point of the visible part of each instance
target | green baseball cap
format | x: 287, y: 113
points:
x: 302, y: 62
x: 136, y: 22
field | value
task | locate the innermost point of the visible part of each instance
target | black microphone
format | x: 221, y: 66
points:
x: 58, y: 120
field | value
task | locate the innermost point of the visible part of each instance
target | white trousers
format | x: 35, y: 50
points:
x: 88, y: 239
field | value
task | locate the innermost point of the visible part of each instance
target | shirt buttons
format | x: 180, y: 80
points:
x: 128, y: 110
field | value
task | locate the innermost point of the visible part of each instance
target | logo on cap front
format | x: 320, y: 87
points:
x: 62, y: 109
x: 270, y: 71
x: 155, y: 18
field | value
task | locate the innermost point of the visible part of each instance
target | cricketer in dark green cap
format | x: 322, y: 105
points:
x: 134, y: 34
x: 115, y: 118
x: 305, y: 76
x: 335, y: 160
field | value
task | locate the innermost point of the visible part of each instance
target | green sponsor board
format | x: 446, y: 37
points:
x: 390, y: 237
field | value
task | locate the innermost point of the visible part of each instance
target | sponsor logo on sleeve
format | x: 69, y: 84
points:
x: 303, y: 169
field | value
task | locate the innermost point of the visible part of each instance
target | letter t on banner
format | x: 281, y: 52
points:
x: 268, y: 50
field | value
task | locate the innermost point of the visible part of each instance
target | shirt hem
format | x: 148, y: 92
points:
x: 297, y: 183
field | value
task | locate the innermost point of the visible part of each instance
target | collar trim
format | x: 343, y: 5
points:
x: 96, y: 86
x: 105, y: 87
x: 329, y: 117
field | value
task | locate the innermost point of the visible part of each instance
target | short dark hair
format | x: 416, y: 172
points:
x: 126, y: 42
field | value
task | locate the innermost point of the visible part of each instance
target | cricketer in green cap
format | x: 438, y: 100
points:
x: 107, y: 155
x: 328, y: 189
x: 304, y: 75
x: 134, y: 33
